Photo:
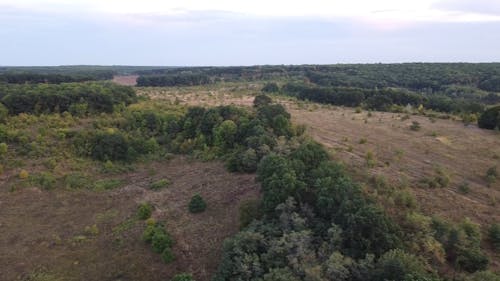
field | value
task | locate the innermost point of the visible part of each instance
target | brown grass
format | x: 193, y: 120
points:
x: 45, y: 231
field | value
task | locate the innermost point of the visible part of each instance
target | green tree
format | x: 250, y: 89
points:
x: 225, y: 134
x: 197, y: 204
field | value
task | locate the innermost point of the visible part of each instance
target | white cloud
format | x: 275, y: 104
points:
x: 381, y: 13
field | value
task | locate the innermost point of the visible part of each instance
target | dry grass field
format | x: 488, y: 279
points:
x: 89, y: 235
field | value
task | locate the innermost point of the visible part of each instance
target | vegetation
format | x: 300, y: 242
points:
x: 144, y: 211
x: 78, y: 98
x: 312, y: 221
x: 160, y: 240
x: 197, y: 204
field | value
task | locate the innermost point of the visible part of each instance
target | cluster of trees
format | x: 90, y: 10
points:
x: 380, y: 99
x: 173, y: 80
x: 238, y: 136
x: 490, y: 119
x: 53, y: 78
x: 77, y: 98
x: 318, y: 225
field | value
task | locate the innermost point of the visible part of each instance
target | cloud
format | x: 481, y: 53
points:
x: 485, y: 7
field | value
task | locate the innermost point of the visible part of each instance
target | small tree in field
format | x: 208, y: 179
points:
x: 197, y: 204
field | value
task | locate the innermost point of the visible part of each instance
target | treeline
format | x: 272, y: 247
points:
x: 381, y: 99
x: 77, y: 98
x: 34, y: 78
x: 425, y: 77
x: 415, y: 76
x: 173, y: 80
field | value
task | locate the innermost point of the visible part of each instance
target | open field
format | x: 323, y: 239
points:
x: 126, y: 80
x: 89, y: 235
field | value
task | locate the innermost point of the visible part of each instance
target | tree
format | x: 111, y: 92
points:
x: 490, y: 119
x: 197, y: 204
x: 271, y: 88
x: 225, y: 134
x: 261, y: 100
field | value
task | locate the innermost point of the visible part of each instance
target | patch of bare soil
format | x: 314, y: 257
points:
x: 51, y: 231
x: 126, y: 80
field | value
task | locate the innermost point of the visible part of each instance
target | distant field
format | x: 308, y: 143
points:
x: 126, y: 80
x: 45, y: 231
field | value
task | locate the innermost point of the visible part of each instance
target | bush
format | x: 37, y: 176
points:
x: 197, y: 204
x: 23, y: 174
x: 159, y: 184
x: 150, y: 231
x: 76, y: 181
x: 415, y: 126
x: 183, y: 277
x: 492, y: 175
x: 107, y: 184
x: 110, y: 146
x: 160, y: 241
x: 494, y: 235
x: 472, y: 259
x: 167, y: 255
x: 45, y: 180
x: 464, y: 188
x: 3, y: 149
x: 144, y: 211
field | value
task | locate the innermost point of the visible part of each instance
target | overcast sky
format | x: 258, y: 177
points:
x: 247, y: 32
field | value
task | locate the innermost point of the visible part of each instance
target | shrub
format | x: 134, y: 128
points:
x: 472, y: 259
x: 144, y: 211
x: 3, y: 149
x: 167, y: 255
x: 110, y: 146
x: 197, y: 204
x: 182, y: 277
x: 491, y: 175
x: 494, y: 235
x: 76, y: 180
x: 159, y: 184
x: 464, y: 188
x: 160, y: 241
x: 45, y: 180
x: 415, y: 126
x: 150, y: 231
x: 23, y: 174
x: 107, y: 184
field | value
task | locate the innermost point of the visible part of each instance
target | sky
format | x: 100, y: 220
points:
x: 250, y: 32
